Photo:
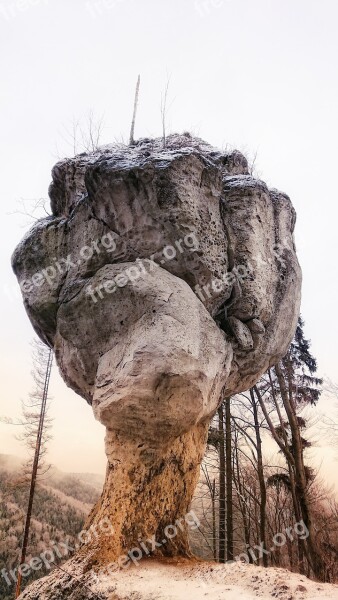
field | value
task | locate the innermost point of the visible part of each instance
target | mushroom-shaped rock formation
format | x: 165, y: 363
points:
x: 165, y: 277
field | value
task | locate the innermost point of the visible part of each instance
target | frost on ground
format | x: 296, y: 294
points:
x: 154, y: 580
x: 176, y: 579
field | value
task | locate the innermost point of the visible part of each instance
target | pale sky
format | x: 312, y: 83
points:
x: 260, y: 75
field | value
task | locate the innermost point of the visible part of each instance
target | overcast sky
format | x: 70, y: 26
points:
x: 260, y: 75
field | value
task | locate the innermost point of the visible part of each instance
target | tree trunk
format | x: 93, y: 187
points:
x: 241, y: 502
x: 214, y: 533
x: 290, y: 553
x: 283, y: 445
x: 228, y: 452
x: 222, y: 498
x: 34, y: 470
x: 296, y: 508
x: 314, y: 557
x: 291, y: 467
x: 260, y: 472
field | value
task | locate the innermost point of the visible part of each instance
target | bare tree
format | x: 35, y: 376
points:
x: 260, y: 473
x: 33, y: 210
x: 269, y: 495
x: 91, y: 132
x: 31, y: 411
x: 253, y: 165
x: 249, y: 424
x: 222, y: 485
x: 293, y: 383
x: 331, y: 423
x: 229, y: 479
x: 83, y: 135
x: 35, y: 435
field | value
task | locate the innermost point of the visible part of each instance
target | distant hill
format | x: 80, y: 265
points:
x: 62, y: 501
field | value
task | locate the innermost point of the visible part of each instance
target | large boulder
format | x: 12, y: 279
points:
x: 165, y: 277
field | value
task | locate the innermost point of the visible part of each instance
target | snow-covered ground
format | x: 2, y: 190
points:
x: 154, y: 580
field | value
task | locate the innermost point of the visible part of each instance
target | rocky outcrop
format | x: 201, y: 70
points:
x: 163, y: 276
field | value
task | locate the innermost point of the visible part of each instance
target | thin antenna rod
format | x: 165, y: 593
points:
x: 132, y: 130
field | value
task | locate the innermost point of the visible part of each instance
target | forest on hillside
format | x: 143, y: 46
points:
x: 61, y: 503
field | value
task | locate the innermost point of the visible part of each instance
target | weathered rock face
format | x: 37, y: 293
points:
x: 163, y: 276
